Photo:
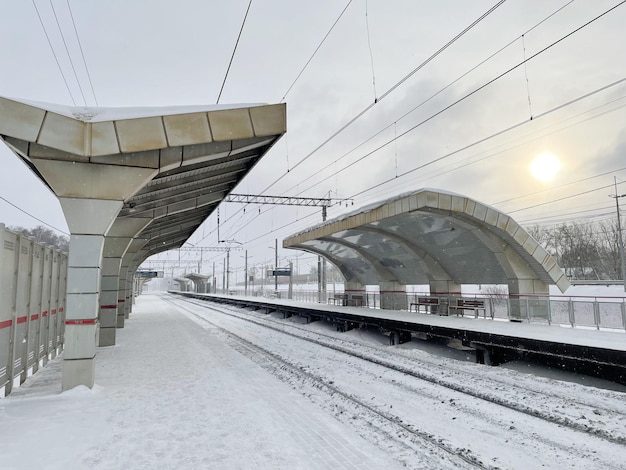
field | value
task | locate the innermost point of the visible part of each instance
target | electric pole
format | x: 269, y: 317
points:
x: 619, y: 231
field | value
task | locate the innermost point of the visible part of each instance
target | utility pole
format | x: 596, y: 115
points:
x: 275, y: 267
x: 321, y: 270
x: 619, y: 230
x: 227, y: 271
x: 246, y: 274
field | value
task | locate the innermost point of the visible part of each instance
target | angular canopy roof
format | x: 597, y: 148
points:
x: 193, y: 156
x: 427, y: 236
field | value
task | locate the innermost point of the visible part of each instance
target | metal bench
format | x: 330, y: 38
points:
x: 347, y: 301
x: 475, y: 305
x: 430, y: 304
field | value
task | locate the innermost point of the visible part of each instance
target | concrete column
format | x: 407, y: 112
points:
x: 528, y: 298
x: 89, y: 220
x: 118, y: 240
x: 109, y: 299
x: 447, y: 290
x: 130, y: 261
x: 393, y: 296
x: 355, y: 293
x: 123, y: 296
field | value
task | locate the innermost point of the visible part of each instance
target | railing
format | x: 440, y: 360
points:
x: 575, y: 311
x: 32, y: 306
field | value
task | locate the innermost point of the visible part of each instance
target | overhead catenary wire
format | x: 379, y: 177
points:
x: 69, y: 56
x: 476, y: 142
x: 82, y: 53
x: 243, y: 23
x: 555, y: 12
x: 69, y: 91
x: 369, y: 45
x: 493, y: 153
x: 315, y: 51
x: 36, y: 218
x: 567, y: 36
x: 389, y: 91
x: 431, y: 97
x: 558, y: 107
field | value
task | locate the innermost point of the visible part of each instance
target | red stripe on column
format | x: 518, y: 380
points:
x: 44, y: 313
x: 108, y: 306
x: 6, y: 323
x: 53, y: 312
x: 34, y: 317
x: 61, y: 310
x: 121, y: 300
x: 22, y: 320
x: 89, y: 321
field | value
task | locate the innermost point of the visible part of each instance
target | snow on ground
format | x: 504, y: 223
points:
x: 173, y: 395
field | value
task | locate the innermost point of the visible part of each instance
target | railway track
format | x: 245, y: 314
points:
x: 390, y: 423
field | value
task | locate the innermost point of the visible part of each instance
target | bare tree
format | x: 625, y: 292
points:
x: 44, y: 236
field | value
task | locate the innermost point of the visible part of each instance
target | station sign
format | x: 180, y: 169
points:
x: 149, y: 274
x: 278, y: 272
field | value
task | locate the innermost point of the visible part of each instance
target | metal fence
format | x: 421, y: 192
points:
x: 585, y: 312
x: 32, y: 306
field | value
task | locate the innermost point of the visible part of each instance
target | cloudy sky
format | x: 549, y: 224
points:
x: 460, y: 122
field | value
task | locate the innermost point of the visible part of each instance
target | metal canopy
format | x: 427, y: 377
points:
x: 198, y: 154
x: 427, y: 236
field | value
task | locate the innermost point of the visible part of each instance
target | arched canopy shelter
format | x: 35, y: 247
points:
x: 132, y: 182
x: 200, y: 282
x: 435, y: 238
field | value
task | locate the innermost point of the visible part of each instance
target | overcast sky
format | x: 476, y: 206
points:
x: 152, y: 53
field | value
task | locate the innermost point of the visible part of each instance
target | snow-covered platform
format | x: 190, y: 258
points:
x: 172, y: 395
x: 597, y: 352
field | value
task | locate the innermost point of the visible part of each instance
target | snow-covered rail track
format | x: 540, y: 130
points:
x: 387, y: 424
x: 489, y: 392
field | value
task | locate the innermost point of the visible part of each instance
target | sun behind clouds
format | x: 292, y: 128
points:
x: 545, y: 167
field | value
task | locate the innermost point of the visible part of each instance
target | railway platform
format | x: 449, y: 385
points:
x: 170, y: 394
x: 591, y: 351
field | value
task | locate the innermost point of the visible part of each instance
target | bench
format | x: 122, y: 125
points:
x: 475, y: 305
x: 430, y: 304
x: 355, y: 301
x: 344, y: 300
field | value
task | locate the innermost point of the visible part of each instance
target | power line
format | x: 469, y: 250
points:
x: 486, y: 84
x: 315, y: 51
x: 80, y: 46
x: 561, y: 199
x: 234, y: 50
x: 54, y: 53
x: 36, y: 218
x: 448, y: 155
x: 388, y: 92
x: 69, y: 56
x: 434, y: 95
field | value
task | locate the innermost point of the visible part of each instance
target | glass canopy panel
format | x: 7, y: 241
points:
x: 451, y: 243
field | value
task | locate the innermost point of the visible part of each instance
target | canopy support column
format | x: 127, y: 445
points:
x: 446, y: 290
x: 393, y: 296
x: 89, y: 220
x: 528, y: 298
x: 355, y: 293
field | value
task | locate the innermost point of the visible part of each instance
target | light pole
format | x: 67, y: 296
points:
x: 619, y: 231
x: 246, y: 273
x: 275, y: 267
x: 227, y: 267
